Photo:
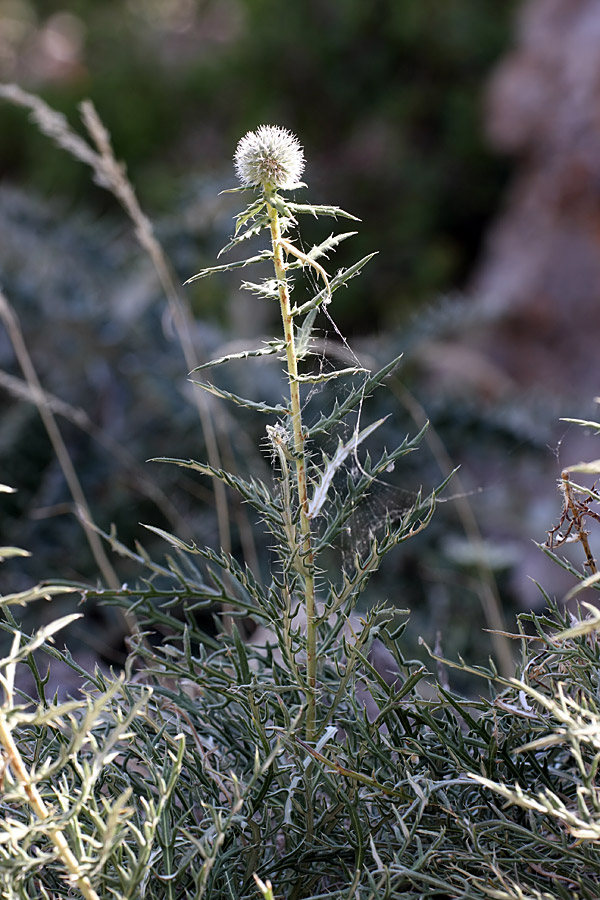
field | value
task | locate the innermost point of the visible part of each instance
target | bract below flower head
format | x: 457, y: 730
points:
x: 270, y: 157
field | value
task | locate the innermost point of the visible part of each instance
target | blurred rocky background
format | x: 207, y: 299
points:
x: 468, y: 145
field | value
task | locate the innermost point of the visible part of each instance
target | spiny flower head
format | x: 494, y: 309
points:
x: 270, y: 157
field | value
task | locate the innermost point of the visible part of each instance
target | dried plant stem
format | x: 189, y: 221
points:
x: 36, y: 802
x: 111, y: 175
x: 122, y: 189
x: 11, y: 323
x: 576, y: 512
x: 19, y: 389
x: 306, y: 559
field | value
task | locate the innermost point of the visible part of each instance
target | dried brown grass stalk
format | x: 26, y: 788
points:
x: 110, y: 174
x: 13, y: 328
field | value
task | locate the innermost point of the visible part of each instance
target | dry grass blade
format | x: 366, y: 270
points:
x: 111, y: 175
x: 11, y: 323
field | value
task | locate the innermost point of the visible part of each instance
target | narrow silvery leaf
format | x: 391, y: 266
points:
x: 39, y: 592
x: 332, y: 241
x: 322, y: 249
x: 335, y: 211
x: 250, y: 213
x: 337, y: 281
x: 342, y: 453
x: 240, y: 401
x: 250, y: 232
x: 10, y: 552
x: 39, y: 638
x: 212, y: 270
x: 354, y: 399
x: 173, y: 540
x: 328, y: 376
x: 271, y: 348
x: 268, y: 289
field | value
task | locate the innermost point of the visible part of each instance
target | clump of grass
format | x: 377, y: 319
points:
x: 302, y: 766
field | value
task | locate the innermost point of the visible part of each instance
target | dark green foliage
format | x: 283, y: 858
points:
x: 199, y: 767
x: 393, y: 801
x: 387, y: 94
x: 115, y: 377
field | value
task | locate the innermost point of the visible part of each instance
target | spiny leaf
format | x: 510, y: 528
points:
x: 332, y: 241
x: 304, y: 335
x: 236, y: 190
x: 40, y: 637
x: 249, y: 213
x: 349, y: 773
x: 322, y: 249
x: 337, y: 281
x: 241, y: 401
x: 172, y: 539
x: 320, y: 210
x: 271, y: 348
x: 331, y: 466
x: 212, y: 270
x: 268, y: 288
x: 354, y: 399
x: 587, y: 423
x: 251, y: 231
x: 39, y: 592
x: 254, y: 491
x: 328, y: 376
x: 282, y: 206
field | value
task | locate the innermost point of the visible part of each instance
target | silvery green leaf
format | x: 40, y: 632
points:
x: 354, y: 399
x: 240, y: 401
x: 267, y: 288
x: 236, y: 190
x: 283, y: 207
x: 36, y: 640
x: 332, y: 241
x: 192, y: 547
x: 250, y: 213
x: 587, y: 423
x: 337, y: 281
x: 328, y: 376
x: 254, y: 491
x: 261, y: 257
x: 335, y: 211
x: 331, y: 466
x: 250, y: 232
x: 39, y: 592
x: 304, y: 335
x: 269, y: 349
x: 322, y: 249
x: 10, y: 552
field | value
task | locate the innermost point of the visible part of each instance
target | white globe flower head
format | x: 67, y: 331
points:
x: 270, y: 157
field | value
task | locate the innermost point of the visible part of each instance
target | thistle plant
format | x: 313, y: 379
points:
x: 269, y: 162
x: 296, y: 767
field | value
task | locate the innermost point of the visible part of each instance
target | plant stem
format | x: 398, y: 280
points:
x: 306, y: 566
x: 37, y: 803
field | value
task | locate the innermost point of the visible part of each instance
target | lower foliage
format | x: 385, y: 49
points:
x: 187, y: 775
x: 318, y: 762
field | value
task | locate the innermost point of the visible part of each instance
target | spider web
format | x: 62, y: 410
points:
x: 384, y: 503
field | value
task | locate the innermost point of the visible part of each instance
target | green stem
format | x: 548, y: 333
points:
x: 304, y: 540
